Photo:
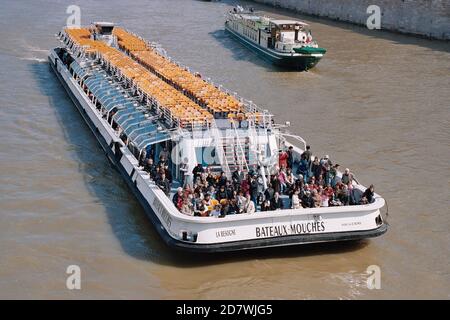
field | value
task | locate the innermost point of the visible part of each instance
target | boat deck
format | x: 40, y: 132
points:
x: 187, y: 100
x: 179, y: 108
x: 215, y: 100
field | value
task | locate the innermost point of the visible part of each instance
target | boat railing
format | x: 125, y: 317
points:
x: 248, y: 106
x: 285, y: 134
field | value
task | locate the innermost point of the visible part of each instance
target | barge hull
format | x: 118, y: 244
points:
x: 252, y: 243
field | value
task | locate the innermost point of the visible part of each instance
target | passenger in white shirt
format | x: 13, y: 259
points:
x: 296, y: 202
x: 216, y: 211
x: 249, y: 204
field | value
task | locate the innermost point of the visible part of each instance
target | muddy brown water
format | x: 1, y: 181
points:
x: 378, y: 103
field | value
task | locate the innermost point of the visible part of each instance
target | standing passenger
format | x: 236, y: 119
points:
x: 347, y: 176
x: 290, y: 159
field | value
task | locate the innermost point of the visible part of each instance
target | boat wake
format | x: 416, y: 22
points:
x: 36, y: 49
x: 35, y: 53
x: 34, y: 59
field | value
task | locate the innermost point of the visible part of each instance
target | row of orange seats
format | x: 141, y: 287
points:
x: 82, y: 37
x: 207, y: 94
x: 178, y: 106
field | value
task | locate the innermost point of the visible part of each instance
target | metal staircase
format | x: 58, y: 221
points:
x: 236, y: 152
x: 232, y: 150
x: 239, y: 148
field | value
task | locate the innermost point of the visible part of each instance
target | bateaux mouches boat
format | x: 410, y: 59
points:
x: 287, y: 43
x: 141, y: 104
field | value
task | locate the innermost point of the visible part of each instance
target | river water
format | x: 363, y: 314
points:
x: 378, y: 103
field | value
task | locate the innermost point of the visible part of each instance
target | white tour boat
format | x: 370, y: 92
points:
x: 287, y: 43
x: 139, y: 103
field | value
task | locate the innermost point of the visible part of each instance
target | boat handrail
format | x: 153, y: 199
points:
x: 290, y: 135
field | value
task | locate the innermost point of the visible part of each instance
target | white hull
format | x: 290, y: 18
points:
x: 261, y: 229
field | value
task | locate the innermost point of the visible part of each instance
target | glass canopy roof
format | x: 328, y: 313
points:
x: 131, y: 116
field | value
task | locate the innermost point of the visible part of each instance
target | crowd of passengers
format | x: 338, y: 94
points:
x: 316, y: 184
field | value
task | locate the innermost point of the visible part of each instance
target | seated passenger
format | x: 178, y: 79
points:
x: 363, y: 200
x: 249, y: 205
x: 342, y: 194
x: 201, y: 210
x: 211, y: 179
x: 307, y: 200
x: 277, y: 203
x: 150, y: 167
x: 282, y: 180
x: 266, y: 206
x: 321, y: 181
x: 276, y: 185
x: 196, y: 200
x: 164, y: 184
x: 212, y: 192
x: 290, y: 181
x: 329, y: 192
x: 222, y: 181
x: 221, y: 194
x: 296, y: 202
x: 216, y: 211
x: 324, y: 198
x: 245, y: 186
x: 317, y: 199
x: 233, y: 207
x: 324, y: 160
x: 300, y: 182
x: 312, y: 184
x: 269, y: 193
x: 225, y: 208
x: 178, y: 198
x: 207, y: 200
x: 187, y: 208
x: 369, y: 194
x: 241, y: 202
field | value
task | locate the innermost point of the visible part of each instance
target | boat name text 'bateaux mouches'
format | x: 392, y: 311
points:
x: 291, y: 229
